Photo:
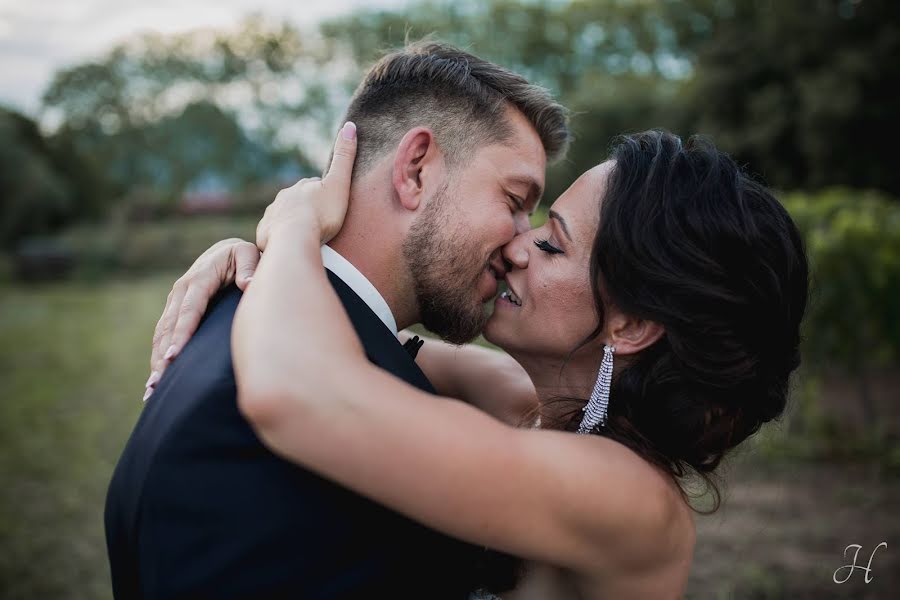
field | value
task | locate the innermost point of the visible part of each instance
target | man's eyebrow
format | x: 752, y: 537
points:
x: 555, y: 215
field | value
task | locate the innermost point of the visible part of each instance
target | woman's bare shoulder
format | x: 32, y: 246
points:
x: 650, y: 518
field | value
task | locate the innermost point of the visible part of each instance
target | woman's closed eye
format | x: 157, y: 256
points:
x: 547, y: 247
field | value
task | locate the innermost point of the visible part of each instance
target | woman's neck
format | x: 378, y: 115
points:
x: 557, y: 380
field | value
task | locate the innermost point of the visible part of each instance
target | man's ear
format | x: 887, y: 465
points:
x: 416, y: 162
x: 630, y: 334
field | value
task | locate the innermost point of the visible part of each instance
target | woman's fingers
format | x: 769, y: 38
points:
x: 332, y: 209
x: 341, y: 169
x: 312, y: 202
x: 189, y: 312
x: 246, y: 258
x: 224, y: 262
x: 163, y: 332
x: 233, y: 263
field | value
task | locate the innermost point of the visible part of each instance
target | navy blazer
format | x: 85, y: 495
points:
x: 199, y: 508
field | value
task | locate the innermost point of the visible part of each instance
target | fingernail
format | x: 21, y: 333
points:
x: 171, y: 352
x: 348, y: 132
x: 153, y: 379
x: 147, y: 393
x: 249, y: 279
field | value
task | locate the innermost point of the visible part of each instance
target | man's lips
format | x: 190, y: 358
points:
x: 497, y: 270
x: 494, y: 285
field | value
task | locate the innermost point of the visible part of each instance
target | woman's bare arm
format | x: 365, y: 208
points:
x: 581, y: 502
x: 306, y: 387
x: 485, y: 378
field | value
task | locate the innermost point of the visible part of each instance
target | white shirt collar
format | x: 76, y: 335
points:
x: 358, y: 282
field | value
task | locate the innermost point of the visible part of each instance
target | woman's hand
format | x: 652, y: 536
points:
x: 317, y: 203
x: 231, y: 260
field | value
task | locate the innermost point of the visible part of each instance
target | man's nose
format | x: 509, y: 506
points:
x: 523, y: 222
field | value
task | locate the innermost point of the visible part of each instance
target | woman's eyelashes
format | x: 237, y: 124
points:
x: 545, y: 246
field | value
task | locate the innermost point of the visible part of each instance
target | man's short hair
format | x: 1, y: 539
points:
x: 460, y: 97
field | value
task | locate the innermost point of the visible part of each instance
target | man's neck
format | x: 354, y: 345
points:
x: 381, y: 262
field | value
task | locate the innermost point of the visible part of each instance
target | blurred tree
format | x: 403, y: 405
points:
x: 161, y: 108
x: 853, y: 241
x: 800, y: 90
x: 803, y: 91
x: 43, y: 186
x: 33, y: 198
x: 616, y: 64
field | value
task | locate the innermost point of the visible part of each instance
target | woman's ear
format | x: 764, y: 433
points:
x: 416, y: 156
x: 630, y: 335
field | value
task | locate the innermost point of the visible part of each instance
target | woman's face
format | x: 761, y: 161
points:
x: 549, y: 307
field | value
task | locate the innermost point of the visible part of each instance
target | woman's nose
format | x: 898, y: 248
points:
x: 516, y: 251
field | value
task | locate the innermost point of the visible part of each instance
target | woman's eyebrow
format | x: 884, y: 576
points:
x: 555, y: 215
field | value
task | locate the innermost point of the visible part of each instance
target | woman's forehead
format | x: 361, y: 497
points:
x: 581, y: 202
x: 597, y: 176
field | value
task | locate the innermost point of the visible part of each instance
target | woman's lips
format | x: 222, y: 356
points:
x: 510, y: 296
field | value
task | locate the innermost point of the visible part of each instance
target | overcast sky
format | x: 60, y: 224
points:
x: 39, y: 36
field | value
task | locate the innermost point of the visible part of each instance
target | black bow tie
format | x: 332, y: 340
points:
x: 412, y: 345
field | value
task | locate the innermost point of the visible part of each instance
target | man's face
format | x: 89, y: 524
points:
x: 453, y: 248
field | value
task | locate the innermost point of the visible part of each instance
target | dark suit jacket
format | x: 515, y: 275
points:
x: 199, y: 508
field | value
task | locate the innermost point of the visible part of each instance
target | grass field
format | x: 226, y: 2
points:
x: 73, y: 360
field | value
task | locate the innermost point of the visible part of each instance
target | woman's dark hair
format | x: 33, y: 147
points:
x: 690, y: 241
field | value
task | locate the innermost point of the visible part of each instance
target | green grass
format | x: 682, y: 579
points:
x: 73, y: 360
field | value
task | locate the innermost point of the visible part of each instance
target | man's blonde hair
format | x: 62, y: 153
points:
x: 460, y: 97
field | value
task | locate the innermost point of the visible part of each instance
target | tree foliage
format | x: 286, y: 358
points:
x: 42, y: 185
x: 805, y: 92
x: 853, y: 241
x: 163, y: 111
x: 802, y: 91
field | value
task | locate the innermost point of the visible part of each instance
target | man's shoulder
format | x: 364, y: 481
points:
x: 199, y: 379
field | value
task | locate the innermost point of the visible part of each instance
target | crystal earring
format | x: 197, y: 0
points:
x: 595, y: 409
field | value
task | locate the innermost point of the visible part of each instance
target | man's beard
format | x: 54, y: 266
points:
x: 446, y: 271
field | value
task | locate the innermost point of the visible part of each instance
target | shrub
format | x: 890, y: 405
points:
x: 853, y: 241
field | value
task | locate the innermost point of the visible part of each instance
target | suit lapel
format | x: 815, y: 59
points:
x: 382, y: 348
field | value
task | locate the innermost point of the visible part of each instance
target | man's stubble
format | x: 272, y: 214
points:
x: 446, y: 270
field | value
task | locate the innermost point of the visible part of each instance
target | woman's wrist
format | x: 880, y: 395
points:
x: 301, y: 229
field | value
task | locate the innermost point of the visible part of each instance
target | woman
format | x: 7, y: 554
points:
x: 668, y: 268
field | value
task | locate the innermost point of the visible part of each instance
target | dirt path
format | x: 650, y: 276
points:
x: 783, y: 529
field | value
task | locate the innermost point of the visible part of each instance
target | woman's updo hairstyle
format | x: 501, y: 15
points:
x: 690, y: 241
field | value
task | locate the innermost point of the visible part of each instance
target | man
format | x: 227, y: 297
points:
x: 450, y: 163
